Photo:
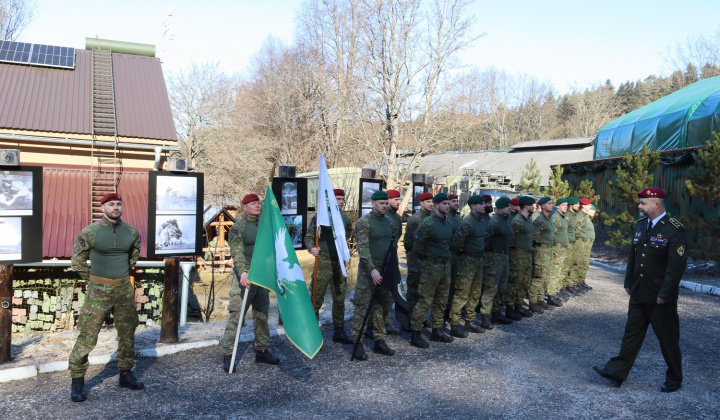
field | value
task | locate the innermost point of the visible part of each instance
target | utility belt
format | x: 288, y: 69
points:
x: 437, y: 259
x: 500, y: 251
x: 106, y: 281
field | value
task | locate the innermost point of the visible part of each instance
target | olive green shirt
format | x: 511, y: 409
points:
x: 112, y: 248
x: 432, y: 237
x: 561, y: 228
x: 241, y: 240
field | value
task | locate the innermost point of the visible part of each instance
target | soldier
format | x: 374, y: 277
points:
x: 329, y: 272
x: 560, y: 244
x: 454, y: 218
x: 468, y: 245
x: 394, y: 200
x: 514, y: 207
x: 656, y: 264
x: 486, y: 217
x: 543, y: 239
x: 585, y: 236
x: 496, y: 266
x: 413, y: 264
x: 113, y: 247
x: 521, y: 260
x: 241, y: 240
x: 573, y: 252
x: 432, y: 247
x: 373, y: 233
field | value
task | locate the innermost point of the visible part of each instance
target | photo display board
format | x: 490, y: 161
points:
x: 21, y: 214
x: 368, y: 186
x: 175, y: 214
x: 418, y: 189
x: 291, y: 194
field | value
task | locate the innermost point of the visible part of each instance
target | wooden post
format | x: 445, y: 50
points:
x: 169, y: 322
x: 6, y: 295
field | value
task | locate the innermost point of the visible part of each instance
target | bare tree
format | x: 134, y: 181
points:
x: 15, y: 16
x: 595, y: 107
x: 698, y: 51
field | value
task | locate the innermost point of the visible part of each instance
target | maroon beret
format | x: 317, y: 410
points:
x: 393, y: 193
x: 339, y: 192
x: 585, y: 201
x: 488, y: 198
x: 426, y: 196
x: 452, y: 197
x: 515, y: 201
x: 110, y: 197
x: 651, y: 193
x: 250, y: 198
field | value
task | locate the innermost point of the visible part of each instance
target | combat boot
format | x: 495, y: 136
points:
x: 535, y: 307
x: 226, y: 363
x: 545, y: 306
x: 519, y: 309
x: 417, y: 340
x: 586, y: 286
x: 341, y: 337
x: 486, y: 323
x: 381, y: 347
x: 458, y: 330
x: 440, y: 336
x: 77, y: 390
x: 579, y: 290
x: 127, y: 380
x: 360, y: 354
x: 391, y: 329
x: 510, y: 313
x: 406, y: 328
x: 499, y: 318
x: 265, y: 356
x: 471, y: 327
x: 554, y: 301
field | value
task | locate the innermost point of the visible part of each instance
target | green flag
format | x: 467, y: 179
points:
x: 275, y: 267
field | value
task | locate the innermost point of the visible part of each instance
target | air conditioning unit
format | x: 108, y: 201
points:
x: 177, y: 164
x: 10, y: 157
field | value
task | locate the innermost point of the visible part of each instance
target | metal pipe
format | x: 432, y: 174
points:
x: 185, y: 268
x: 67, y: 141
x: 158, y: 151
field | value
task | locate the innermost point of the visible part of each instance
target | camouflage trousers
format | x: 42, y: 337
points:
x: 259, y: 298
x: 542, y: 266
x: 583, y: 262
x: 572, y: 255
x: 557, y: 275
x: 521, y: 261
x: 454, y: 261
x: 329, y: 274
x: 100, y: 300
x: 415, y: 269
x: 468, y: 287
x: 432, y: 292
x: 364, y: 289
x: 495, y: 279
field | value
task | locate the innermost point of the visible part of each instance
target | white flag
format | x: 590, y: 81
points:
x: 328, y: 214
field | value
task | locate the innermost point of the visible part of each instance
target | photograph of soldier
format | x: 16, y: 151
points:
x: 329, y: 273
x: 656, y: 264
x: 585, y: 237
x: 16, y: 197
x: 521, y: 260
x: 432, y: 246
x: 368, y: 189
x: 289, y: 198
x: 496, y: 269
x: 241, y: 240
x: 560, y: 245
x: 413, y: 264
x: 113, y: 248
x: 543, y: 238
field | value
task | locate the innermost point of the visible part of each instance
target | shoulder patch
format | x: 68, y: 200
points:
x: 675, y: 223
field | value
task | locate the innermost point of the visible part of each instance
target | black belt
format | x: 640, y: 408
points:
x: 544, y: 245
x: 437, y: 259
x: 521, y: 249
x: 500, y: 251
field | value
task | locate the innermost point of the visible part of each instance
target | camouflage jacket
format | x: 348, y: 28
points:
x: 560, y: 221
x: 544, y: 229
x: 411, y: 226
x: 372, y: 238
x: 85, y: 243
x: 432, y: 237
x: 327, y: 240
x: 241, y: 240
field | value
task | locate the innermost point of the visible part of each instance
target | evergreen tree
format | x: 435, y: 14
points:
x: 587, y: 190
x: 702, y: 183
x: 531, y: 178
x: 558, y: 187
x: 633, y: 175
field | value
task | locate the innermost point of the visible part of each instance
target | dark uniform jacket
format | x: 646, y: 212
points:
x: 657, y: 261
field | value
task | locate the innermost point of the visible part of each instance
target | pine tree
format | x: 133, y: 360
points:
x: 587, y: 190
x: 531, y: 178
x: 633, y: 175
x: 558, y: 187
x: 702, y: 183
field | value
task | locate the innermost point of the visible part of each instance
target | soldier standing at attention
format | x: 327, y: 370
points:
x: 514, y: 207
x: 521, y: 260
x: 373, y: 233
x: 432, y: 247
x: 573, y: 251
x: 241, y: 240
x: 656, y: 264
x: 113, y: 247
x: 468, y: 245
x: 454, y: 218
x: 329, y: 272
x: 560, y: 244
x: 496, y: 270
x: 585, y: 236
x: 413, y: 264
x: 543, y: 239
x: 486, y: 217
x: 394, y: 200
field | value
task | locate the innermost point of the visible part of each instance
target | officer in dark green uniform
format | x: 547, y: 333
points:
x: 413, y: 264
x: 656, y: 264
x: 521, y: 260
x: 497, y: 269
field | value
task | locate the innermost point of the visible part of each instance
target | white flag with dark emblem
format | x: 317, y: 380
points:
x: 328, y: 214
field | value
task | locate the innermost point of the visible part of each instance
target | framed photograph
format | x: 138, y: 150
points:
x: 16, y: 193
x: 289, y: 198
x: 363, y: 212
x: 10, y: 238
x: 295, y: 229
x: 418, y: 189
x: 368, y: 189
x: 175, y: 214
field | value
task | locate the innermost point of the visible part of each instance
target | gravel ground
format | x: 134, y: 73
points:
x: 537, y: 368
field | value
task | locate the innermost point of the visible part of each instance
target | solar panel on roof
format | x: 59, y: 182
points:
x: 37, y: 54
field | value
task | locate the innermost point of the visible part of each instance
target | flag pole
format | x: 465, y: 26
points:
x: 315, y: 269
x: 240, y: 321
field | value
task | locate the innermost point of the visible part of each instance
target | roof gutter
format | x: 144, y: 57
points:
x: 66, y: 141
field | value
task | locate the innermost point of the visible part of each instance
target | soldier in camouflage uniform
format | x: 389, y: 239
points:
x: 432, y: 246
x: 414, y: 265
x: 241, y: 240
x: 573, y: 252
x: 454, y: 218
x: 585, y: 236
x: 373, y: 233
x: 521, y: 260
x: 113, y: 247
x: 329, y: 272
x: 486, y: 217
x: 514, y: 207
x: 543, y: 238
x: 560, y: 246
x: 496, y: 265
x: 468, y: 246
x: 394, y: 200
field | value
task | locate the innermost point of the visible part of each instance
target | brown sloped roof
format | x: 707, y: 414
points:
x: 59, y: 100
x: 66, y: 207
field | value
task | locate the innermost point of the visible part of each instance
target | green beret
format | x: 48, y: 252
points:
x: 544, y: 200
x: 502, y: 202
x: 573, y: 200
x: 561, y: 201
x: 476, y: 199
x: 440, y: 197
x: 526, y: 201
x: 592, y: 207
x: 379, y: 195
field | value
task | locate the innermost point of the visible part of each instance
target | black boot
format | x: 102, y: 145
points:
x: 417, y: 340
x: 486, y: 323
x: 546, y: 306
x: 440, y: 336
x: 77, y: 390
x: 265, y: 356
x: 368, y: 332
x: 586, y: 286
x: 391, y: 329
x: 458, y: 330
x: 510, y: 313
x: 471, y: 327
x: 519, y: 309
x: 381, y: 347
x: 127, y: 380
x: 406, y: 328
x: 537, y: 308
x: 341, y: 337
x: 226, y: 363
x: 554, y: 301
x: 360, y: 354
x: 499, y: 318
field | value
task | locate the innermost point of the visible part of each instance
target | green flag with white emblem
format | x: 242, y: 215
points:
x: 275, y: 267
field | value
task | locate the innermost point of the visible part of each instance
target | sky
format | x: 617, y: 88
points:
x: 571, y: 44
